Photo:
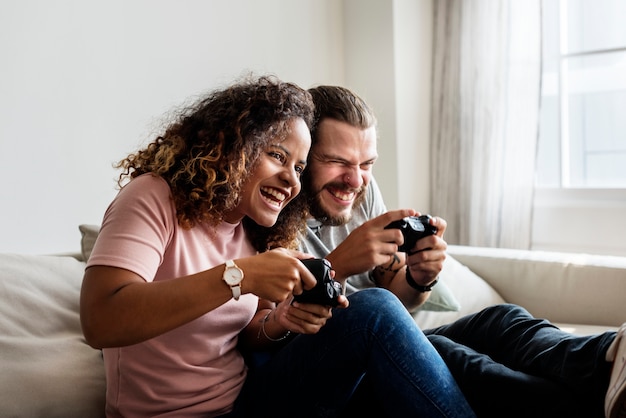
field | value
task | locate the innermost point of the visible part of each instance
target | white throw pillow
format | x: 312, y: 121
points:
x: 471, y: 291
x: 47, y: 368
x: 442, y: 299
x: 89, y: 233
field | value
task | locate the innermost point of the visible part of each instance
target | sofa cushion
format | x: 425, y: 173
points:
x: 442, y: 299
x: 471, y: 291
x: 48, y: 370
x: 562, y: 287
x: 88, y: 233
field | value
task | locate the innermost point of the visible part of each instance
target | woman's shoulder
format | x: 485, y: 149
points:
x: 144, y: 192
x: 146, y: 184
x: 147, y: 180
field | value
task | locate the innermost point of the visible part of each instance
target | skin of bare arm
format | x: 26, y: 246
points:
x: 340, y: 167
x: 425, y: 262
x: 130, y: 310
x: 301, y: 318
x: 370, y: 247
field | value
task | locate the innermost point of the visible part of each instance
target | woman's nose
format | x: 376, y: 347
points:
x: 290, y: 176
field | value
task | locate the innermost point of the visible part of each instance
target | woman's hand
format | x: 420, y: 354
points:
x: 275, y: 275
x: 305, y: 318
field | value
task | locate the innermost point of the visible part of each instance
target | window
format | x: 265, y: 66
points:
x: 582, y: 135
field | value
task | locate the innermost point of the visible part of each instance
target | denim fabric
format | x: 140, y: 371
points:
x: 510, y: 364
x: 375, y: 337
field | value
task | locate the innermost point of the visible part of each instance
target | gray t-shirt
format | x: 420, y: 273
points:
x: 320, y: 240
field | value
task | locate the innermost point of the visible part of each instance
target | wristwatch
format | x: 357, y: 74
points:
x: 233, y: 276
x: 418, y: 287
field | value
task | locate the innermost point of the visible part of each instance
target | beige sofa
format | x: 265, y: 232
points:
x: 49, y: 371
x: 582, y: 293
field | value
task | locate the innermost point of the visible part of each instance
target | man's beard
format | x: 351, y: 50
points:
x: 316, y: 208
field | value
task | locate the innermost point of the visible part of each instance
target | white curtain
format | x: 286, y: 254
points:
x: 485, y: 114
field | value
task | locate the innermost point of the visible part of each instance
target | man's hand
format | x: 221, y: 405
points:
x: 425, y: 259
x: 370, y: 245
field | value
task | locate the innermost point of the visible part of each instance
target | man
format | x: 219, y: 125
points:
x: 506, y: 362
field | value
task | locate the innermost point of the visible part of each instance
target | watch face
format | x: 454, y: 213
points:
x: 232, y: 276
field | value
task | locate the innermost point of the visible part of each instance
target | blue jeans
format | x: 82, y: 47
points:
x: 510, y: 364
x: 374, y: 338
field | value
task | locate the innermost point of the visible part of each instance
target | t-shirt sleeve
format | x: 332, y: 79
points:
x: 136, y: 227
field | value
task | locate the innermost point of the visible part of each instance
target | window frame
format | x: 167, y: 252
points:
x: 573, y: 219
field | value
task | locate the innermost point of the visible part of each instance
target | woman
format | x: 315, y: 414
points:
x: 193, y: 262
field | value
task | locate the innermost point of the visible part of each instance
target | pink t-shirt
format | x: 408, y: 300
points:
x: 194, y: 370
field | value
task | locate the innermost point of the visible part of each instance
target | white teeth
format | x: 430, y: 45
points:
x: 275, y: 193
x: 343, y: 196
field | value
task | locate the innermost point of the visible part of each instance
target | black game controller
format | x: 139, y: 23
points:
x: 327, y: 290
x: 413, y: 228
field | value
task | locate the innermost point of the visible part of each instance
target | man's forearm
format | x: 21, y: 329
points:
x: 392, y: 276
x: 384, y: 274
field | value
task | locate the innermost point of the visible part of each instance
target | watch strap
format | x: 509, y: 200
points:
x: 235, y: 289
x: 418, y: 287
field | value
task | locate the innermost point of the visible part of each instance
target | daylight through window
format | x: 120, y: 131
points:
x: 582, y: 135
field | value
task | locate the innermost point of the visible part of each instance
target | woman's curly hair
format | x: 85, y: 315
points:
x: 213, y: 145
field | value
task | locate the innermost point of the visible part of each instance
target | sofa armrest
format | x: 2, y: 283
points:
x: 562, y: 287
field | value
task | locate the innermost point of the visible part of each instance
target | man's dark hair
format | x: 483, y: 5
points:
x: 341, y: 104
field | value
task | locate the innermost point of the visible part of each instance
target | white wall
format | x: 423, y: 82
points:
x: 388, y: 61
x: 83, y: 83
